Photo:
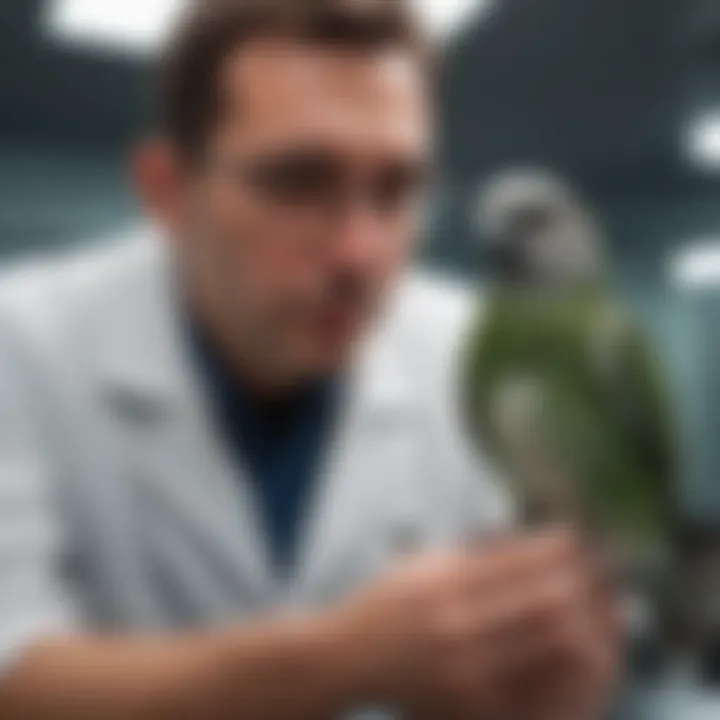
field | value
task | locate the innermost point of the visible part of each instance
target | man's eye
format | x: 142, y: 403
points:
x: 396, y: 189
x: 296, y: 182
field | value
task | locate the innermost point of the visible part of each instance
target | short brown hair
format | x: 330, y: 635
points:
x: 213, y: 29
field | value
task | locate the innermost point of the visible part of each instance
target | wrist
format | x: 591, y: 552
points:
x: 344, y: 647
x: 364, y: 654
x: 310, y: 656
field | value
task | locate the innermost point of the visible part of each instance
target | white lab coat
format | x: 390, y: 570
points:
x: 119, y: 506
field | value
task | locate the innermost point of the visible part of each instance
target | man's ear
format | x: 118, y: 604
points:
x: 158, y: 177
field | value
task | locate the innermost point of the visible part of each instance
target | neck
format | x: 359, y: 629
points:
x: 240, y: 355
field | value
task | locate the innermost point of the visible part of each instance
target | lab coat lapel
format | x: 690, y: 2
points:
x: 366, y: 497
x: 366, y: 493
x: 201, y: 497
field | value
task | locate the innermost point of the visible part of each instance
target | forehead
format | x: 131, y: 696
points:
x: 275, y: 92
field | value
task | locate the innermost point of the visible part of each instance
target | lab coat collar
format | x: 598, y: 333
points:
x: 146, y: 370
x: 145, y: 358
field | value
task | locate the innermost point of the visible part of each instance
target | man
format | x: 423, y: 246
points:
x: 232, y: 479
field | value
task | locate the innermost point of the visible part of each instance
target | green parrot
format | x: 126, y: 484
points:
x: 561, y: 387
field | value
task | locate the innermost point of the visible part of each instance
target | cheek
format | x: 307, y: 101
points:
x: 398, y: 252
x: 287, y: 267
x: 255, y: 245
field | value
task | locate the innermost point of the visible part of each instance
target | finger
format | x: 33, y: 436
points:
x: 588, y: 678
x: 523, y: 647
x: 572, y: 678
x: 606, y: 573
x: 518, y: 559
x: 545, y: 622
x: 538, y: 602
x: 585, y: 649
x: 607, y: 608
x: 541, y: 595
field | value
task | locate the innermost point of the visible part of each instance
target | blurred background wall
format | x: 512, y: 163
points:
x: 620, y: 96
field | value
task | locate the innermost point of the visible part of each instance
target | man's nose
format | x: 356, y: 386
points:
x: 360, y: 237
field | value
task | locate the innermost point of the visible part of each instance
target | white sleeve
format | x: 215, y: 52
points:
x: 481, y: 501
x: 487, y: 502
x: 35, y: 598
x: 488, y: 505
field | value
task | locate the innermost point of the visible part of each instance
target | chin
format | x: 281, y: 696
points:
x: 331, y: 362
x: 330, y: 358
x: 331, y: 347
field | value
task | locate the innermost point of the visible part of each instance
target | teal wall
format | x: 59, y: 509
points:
x: 50, y: 198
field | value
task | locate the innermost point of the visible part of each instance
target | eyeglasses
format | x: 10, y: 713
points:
x: 318, y: 183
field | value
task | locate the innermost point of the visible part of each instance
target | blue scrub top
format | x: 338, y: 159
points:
x: 282, y: 443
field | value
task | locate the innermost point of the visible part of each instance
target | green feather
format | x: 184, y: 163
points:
x: 601, y: 420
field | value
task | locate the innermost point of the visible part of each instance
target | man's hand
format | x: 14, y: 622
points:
x: 519, y: 629
x: 579, y: 671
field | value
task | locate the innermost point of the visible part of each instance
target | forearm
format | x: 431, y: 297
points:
x: 292, y: 669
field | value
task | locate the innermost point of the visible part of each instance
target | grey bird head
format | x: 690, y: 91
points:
x: 535, y: 229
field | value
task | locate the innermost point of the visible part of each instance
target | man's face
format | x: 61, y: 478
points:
x: 304, y: 210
